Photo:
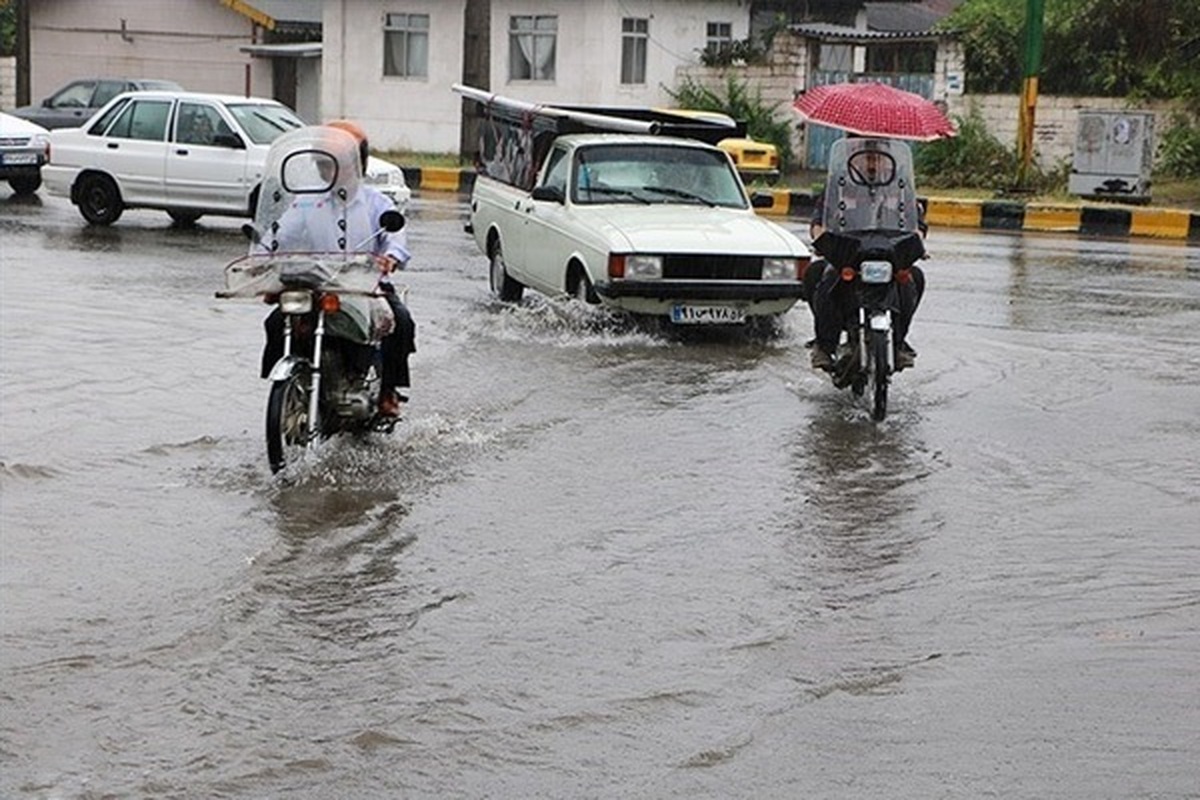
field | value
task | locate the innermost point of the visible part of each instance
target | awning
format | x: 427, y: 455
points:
x: 288, y: 50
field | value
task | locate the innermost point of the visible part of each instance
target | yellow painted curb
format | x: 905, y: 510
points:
x: 1160, y: 222
x: 1052, y: 218
x: 441, y: 179
x: 954, y: 213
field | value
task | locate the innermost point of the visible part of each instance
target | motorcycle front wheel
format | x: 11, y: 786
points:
x: 287, y: 420
x: 880, y: 375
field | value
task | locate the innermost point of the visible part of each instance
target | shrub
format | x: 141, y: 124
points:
x: 741, y: 104
x: 1179, y: 150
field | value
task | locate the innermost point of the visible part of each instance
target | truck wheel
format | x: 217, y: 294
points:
x: 503, y: 285
x: 583, y: 291
x: 99, y: 200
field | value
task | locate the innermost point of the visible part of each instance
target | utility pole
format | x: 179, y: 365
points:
x: 1034, y: 14
x: 23, y: 81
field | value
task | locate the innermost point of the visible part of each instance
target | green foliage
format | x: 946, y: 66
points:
x: 744, y: 51
x: 741, y: 104
x: 8, y: 27
x: 974, y: 159
x: 1106, y: 48
x: 1179, y: 150
x: 977, y: 160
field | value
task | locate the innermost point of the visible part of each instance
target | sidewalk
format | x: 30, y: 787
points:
x: 1088, y: 219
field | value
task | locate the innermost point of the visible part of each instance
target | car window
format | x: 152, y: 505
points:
x: 100, y: 125
x: 656, y: 173
x: 107, y: 90
x: 556, y: 175
x: 262, y: 122
x: 200, y: 123
x: 142, y: 119
x: 76, y: 95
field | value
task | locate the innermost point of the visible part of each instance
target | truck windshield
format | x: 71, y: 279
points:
x: 650, y: 173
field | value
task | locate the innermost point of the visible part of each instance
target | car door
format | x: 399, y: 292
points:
x: 533, y: 261
x: 206, y: 162
x: 134, y: 150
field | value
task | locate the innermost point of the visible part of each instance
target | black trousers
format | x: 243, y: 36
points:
x: 395, y: 348
x: 832, y: 303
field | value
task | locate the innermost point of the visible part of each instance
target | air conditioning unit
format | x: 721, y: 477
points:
x: 1114, y: 154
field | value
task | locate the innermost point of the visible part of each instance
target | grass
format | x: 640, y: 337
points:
x: 1165, y: 192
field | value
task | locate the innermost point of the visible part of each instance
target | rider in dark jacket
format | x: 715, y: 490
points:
x: 831, y: 307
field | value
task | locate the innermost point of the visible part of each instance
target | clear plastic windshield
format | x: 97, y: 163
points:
x: 870, y: 186
x: 311, y: 227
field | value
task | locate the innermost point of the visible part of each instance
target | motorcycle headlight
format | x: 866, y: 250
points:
x: 643, y: 267
x: 298, y: 302
x: 779, y: 269
x: 876, y: 271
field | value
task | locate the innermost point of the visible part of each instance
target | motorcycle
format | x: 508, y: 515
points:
x: 871, y: 222
x: 333, y: 308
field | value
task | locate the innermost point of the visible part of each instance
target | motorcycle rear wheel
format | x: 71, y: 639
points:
x: 880, y: 374
x: 287, y: 420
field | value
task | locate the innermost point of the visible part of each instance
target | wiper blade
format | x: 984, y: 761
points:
x: 611, y: 190
x: 680, y: 193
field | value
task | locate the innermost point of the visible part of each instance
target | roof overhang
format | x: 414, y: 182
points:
x: 827, y: 32
x: 290, y: 50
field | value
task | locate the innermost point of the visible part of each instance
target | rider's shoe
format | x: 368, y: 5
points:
x: 390, y: 404
x: 905, y: 356
x: 821, y: 359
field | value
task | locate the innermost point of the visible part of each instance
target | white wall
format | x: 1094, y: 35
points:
x: 192, y: 42
x: 588, y: 63
x: 424, y: 114
x: 416, y: 114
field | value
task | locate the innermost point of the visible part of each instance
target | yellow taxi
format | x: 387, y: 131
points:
x: 753, y: 159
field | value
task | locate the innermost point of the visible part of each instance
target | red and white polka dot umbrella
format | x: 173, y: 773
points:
x: 874, y: 109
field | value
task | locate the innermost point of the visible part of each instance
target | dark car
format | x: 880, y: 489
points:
x: 74, y: 104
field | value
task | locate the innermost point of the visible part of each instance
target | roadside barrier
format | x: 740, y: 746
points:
x: 1004, y: 215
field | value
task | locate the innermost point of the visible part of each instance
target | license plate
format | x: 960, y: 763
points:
x: 707, y: 315
x: 16, y: 159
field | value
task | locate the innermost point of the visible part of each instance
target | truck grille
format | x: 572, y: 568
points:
x: 712, y: 268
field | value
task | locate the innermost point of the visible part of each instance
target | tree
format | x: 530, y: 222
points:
x: 8, y: 27
x: 1107, y: 48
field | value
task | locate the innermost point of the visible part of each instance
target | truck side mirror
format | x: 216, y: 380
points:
x: 551, y: 194
x: 762, y: 200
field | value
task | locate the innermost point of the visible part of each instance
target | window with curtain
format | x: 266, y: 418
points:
x: 406, y: 45
x: 635, y: 34
x: 531, y: 45
x: 719, y: 38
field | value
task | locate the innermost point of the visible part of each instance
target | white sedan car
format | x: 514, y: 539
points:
x: 389, y: 179
x: 23, y: 150
x: 185, y: 153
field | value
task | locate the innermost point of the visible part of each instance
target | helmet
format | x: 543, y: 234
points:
x: 355, y: 130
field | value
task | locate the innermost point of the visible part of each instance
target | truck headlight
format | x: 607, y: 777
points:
x: 643, y: 267
x: 780, y: 269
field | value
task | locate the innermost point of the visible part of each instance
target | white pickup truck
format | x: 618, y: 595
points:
x: 645, y: 223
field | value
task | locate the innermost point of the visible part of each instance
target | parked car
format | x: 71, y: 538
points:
x: 186, y: 153
x: 75, y: 103
x: 389, y: 179
x: 23, y: 150
x: 754, y: 160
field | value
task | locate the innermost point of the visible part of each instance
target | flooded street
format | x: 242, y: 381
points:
x: 599, y: 560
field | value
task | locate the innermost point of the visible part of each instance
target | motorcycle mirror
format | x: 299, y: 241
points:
x: 251, y: 233
x: 391, y: 221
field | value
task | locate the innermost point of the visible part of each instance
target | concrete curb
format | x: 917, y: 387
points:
x: 1002, y: 215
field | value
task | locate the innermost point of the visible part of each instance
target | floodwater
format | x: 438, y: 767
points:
x: 598, y: 560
